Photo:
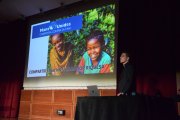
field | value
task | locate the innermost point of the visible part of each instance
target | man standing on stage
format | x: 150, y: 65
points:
x: 126, y: 83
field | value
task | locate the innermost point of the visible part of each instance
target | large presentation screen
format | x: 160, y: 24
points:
x: 70, y: 47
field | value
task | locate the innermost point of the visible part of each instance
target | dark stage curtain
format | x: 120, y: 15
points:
x: 146, y: 31
x: 12, y: 51
x: 9, y: 98
x: 157, y: 84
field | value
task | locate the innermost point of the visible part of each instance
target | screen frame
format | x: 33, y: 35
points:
x: 68, y: 10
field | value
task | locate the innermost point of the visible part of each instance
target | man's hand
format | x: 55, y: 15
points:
x: 119, y: 94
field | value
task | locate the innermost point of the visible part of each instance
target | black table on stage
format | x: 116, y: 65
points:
x: 125, y: 108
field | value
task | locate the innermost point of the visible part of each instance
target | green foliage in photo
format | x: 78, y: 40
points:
x: 102, y: 18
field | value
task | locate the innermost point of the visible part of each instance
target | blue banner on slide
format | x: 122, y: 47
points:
x: 59, y: 26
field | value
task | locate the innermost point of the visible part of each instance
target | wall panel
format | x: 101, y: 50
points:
x: 79, y: 93
x: 44, y: 110
x: 63, y: 96
x: 43, y: 104
x: 24, y: 110
x: 108, y: 92
x: 26, y: 95
x: 42, y: 96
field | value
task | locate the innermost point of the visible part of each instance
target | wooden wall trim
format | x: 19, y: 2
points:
x: 43, y: 104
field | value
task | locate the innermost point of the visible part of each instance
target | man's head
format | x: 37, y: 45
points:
x: 124, y: 58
